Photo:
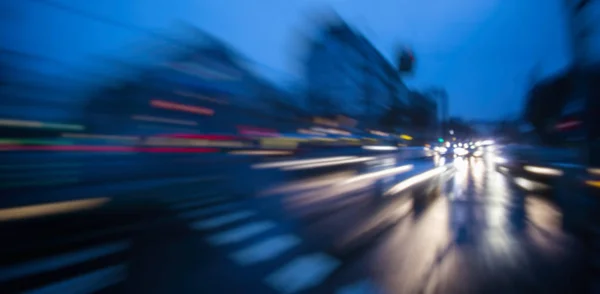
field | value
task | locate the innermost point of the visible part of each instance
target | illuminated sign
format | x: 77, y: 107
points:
x: 253, y: 131
x: 181, y: 107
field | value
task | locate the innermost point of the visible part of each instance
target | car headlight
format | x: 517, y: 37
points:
x: 461, y: 151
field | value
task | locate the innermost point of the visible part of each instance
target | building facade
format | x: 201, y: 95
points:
x: 346, y: 75
x: 201, y: 86
x: 583, y: 19
x: 423, y: 114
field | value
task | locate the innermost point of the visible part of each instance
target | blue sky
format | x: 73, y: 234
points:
x: 482, y: 52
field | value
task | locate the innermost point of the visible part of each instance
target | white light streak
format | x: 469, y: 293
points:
x: 317, y: 165
x: 415, y: 180
x: 379, y: 174
x: 299, y: 162
x: 543, y: 170
x: 380, y: 148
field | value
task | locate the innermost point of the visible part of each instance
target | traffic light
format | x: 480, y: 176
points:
x: 440, y: 140
x: 406, y: 61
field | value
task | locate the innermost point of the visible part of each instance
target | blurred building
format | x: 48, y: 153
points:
x: 201, y: 85
x: 565, y: 109
x: 555, y: 108
x: 36, y: 88
x: 583, y: 18
x: 423, y: 114
x: 489, y: 128
x: 347, y: 75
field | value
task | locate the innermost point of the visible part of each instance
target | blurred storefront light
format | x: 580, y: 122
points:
x: 101, y: 137
x: 181, y: 107
x: 38, y: 124
x: 39, y: 210
x: 595, y: 184
x: 260, y: 152
x: 379, y: 133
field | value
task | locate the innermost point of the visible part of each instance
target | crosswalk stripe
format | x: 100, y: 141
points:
x: 86, y: 283
x: 241, y: 233
x: 265, y: 250
x: 207, y: 211
x: 222, y: 220
x: 199, y: 202
x: 60, y: 261
x: 302, y: 273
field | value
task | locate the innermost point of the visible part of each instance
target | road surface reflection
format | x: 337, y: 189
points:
x: 482, y: 236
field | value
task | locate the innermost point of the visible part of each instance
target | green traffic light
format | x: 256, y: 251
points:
x: 441, y: 140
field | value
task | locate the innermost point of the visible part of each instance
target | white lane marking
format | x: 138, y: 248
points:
x: 86, y: 283
x: 240, y: 233
x: 302, y: 273
x: 265, y: 250
x: 208, y: 211
x: 361, y: 287
x: 199, y: 202
x: 221, y: 220
x: 59, y: 261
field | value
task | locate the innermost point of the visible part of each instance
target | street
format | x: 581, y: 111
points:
x: 295, y: 147
x: 452, y: 225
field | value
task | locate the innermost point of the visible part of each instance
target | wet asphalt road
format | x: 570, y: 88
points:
x: 306, y: 234
x: 483, y: 235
